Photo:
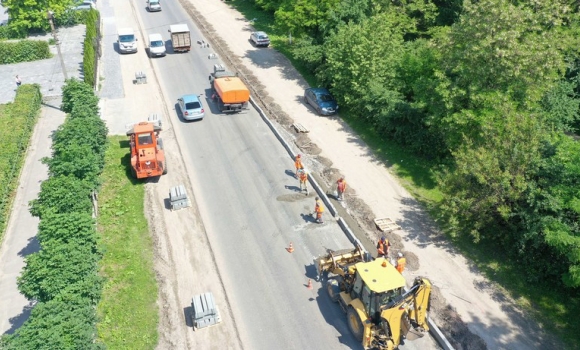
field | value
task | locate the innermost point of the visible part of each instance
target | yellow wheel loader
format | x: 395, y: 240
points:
x: 379, y: 311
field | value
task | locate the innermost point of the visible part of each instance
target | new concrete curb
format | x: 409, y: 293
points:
x: 433, y: 329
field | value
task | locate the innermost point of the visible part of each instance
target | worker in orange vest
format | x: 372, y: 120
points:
x: 401, y: 263
x: 298, y: 164
x: 383, y: 247
x: 318, y: 209
x: 303, y: 176
x: 340, y: 188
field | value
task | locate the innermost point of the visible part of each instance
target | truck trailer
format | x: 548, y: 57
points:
x: 230, y: 92
x: 180, y: 37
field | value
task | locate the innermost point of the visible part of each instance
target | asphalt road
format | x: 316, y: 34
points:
x: 247, y: 196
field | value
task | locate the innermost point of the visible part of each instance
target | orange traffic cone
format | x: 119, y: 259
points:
x: 309, y: 285
x: 290, y: 249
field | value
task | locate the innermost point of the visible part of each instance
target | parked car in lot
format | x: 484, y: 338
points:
x: 153, y: 5
x: 260, y: 39
x: 321, y: 100
x: 191, y: 107
x: 156, y: 45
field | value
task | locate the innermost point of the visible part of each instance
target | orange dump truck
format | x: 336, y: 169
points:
x: 231, y: 93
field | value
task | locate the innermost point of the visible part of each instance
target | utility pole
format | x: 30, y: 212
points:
x: 50, y: 16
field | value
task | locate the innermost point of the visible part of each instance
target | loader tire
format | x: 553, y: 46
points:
x: 354, y: 323
x: 333, y: 289
x: 165, y: 167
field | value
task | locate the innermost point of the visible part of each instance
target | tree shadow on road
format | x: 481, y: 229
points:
x: 33, y: 246
x: 17, y: 321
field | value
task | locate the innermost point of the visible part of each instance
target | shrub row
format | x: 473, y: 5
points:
x: 23, y: 51
x: 20, y: 116
x: 90, y: 47
x: 63, y: 276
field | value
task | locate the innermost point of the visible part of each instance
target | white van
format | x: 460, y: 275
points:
x: 127, y: 40
x: 153, y: 5
x: 156, y: 45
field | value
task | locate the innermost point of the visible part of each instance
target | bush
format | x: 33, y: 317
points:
x: 56, y: 266
x: 23, y: 51
x: 78, y: 160
x: 90, y: 45
x: 62, y: 194
x: 67, y: 322
x: 76, y: 93
x: 20, y: 116
x: 67, y: 228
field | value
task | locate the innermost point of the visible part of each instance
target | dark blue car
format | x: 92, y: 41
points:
x: 321, y: 100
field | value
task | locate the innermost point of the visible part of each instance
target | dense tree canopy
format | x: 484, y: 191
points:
x: 488, y: 89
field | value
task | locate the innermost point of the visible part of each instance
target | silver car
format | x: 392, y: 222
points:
x: 260, y: 39
x: 191, y: 107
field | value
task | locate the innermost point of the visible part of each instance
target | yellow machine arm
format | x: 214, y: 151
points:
x: 414, y: 303
x: 337, y: 262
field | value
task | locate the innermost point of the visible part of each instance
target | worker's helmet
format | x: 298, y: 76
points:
x: 383, y: 239
x: 400, y: 255
x: 298, y: 156
x: 341, y: 178
x: 317, y: 198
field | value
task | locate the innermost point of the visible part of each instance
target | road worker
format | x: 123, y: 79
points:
x: 298, y: 164
x: 303, y: 176
x: 340, y: 188
x: 401, y: 263
x: 318, y: 209
x: 383, y: 247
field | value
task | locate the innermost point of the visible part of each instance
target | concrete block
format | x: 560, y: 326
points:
x: 205, y: 312
x: 178, y: 197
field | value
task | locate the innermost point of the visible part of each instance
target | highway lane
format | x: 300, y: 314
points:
x: 251, y: 211
x: 240, y: 175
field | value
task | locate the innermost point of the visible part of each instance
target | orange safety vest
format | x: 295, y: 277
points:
x: 303, y: 176
x: 298, y: 163
x: 318, y: 208
x: 383, y: 248
x: 401, y: 263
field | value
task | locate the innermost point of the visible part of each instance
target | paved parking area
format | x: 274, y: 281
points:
x: 47, y: 73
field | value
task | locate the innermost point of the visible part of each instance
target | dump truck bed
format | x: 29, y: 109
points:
x: 232, y: 90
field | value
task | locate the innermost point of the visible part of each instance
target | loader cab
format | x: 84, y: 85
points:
x: 377, y: 284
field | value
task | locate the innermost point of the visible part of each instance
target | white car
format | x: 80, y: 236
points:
x: 156, y: 45
x: 153, y: 5
x: 260, y: 39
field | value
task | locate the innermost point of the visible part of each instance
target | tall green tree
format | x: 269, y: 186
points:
x: 32, y: 14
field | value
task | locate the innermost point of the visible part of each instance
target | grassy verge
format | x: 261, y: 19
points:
x: 127, y: 312
x: 554, y: 308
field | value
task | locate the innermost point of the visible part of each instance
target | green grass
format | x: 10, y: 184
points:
x: 128, y: 314
x: 554, y: 308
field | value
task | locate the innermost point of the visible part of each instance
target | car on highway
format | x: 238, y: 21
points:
x: 260, y: 39
x: 127, y: 40
x: 322, y: 100
x: 153, y: 6
x: 156, y: 45
x: 191, y: 107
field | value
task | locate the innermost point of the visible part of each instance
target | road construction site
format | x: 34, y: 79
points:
x: 245, y: 209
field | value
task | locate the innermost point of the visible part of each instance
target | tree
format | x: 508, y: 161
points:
x: 76, y: 92
x: 31, y: 14
x: 359, y: 54
x: 55, y: 267
x: 66, y: 323
x: 68, y: 228
x: 492, y: 173
x: 62, y: 194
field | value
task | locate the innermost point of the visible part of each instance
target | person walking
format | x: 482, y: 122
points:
x: 318, y: 210
x: 18, y: 81
x: 340, y: 188
x: 401, y: 263
x: 383, y: 247
x: 298, y: 164
x: 303, y: 176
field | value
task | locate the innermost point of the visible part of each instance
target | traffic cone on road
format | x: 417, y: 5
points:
x: 290, y: 249
x: 309, y: 285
